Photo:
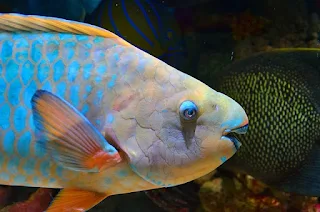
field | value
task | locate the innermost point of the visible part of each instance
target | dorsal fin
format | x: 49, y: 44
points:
x: 14, y: 22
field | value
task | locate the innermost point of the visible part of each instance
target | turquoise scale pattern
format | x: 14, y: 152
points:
x: 71, y: 66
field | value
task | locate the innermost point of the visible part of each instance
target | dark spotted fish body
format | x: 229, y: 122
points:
x: 83, y: 110
x: 280, y: 90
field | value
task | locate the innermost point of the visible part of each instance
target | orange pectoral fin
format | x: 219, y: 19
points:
x: 75, y: 200
x: 70, y: 138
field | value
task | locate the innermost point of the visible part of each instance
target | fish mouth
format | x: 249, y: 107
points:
x: 229, y: 134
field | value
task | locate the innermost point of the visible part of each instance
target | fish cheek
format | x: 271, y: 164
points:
x: 154, y: 154
x: 208, y: 136
x: 145, y: 151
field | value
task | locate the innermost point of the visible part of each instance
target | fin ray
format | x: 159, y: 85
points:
x: 14, y: 22
x: 75, y: 200
x: 69, y: 137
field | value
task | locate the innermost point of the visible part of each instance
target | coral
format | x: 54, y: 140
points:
x: 5, y: 194
x: 37, y: 202
x: 243, y: 193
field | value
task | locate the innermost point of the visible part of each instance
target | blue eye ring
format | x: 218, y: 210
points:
x: 188, y: 110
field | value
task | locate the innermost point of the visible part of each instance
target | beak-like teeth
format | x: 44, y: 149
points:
x: 241, y: 130
x: 236, y: 142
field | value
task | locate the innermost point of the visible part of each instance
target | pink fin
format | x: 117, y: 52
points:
x: 71, y: 139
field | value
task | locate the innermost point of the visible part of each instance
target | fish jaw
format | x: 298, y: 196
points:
x: 236, y: 121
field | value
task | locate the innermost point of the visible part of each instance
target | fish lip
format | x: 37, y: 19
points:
x: 239, y: 130
x: 243, y: 129
x: 235, y: 142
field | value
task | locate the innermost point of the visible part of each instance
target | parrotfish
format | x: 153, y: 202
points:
x: 85, y: 111
x: 280, y: 91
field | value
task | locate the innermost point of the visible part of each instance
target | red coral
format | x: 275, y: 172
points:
x: 38, y: 202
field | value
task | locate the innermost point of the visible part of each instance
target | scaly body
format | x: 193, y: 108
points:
x: 161, y: 127
x: 50, y: 62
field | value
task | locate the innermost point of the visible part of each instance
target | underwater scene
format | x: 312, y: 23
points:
x: 159, y: 105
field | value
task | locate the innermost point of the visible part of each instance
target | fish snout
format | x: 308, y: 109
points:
x: 235, y: 122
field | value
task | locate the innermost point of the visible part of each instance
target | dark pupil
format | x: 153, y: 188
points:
x: 189, y: 113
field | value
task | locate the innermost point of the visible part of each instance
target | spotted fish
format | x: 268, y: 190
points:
x: 280, y: 91
x: 85, y: 111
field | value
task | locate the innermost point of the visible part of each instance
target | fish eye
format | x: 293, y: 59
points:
x: 188, y: 110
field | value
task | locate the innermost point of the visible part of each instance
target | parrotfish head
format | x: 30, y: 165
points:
x: 178, y: 130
